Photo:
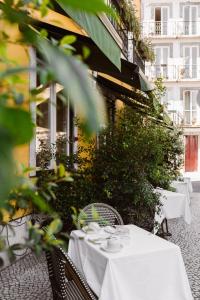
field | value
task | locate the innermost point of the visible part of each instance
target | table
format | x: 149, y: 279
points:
x: 188, y: 180
x: 150, y: 268
x: 174, y: 205
x: 182, y: 187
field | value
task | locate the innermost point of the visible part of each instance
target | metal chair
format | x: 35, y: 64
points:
x: 101, y: 213
x: 66, y: 281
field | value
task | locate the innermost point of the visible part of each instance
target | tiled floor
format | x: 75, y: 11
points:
x: 188, y: 238
x: 27, y: 279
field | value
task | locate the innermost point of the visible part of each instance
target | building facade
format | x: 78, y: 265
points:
x: 174, y: 28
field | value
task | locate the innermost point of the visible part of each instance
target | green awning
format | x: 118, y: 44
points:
x: 97, y: 32
x: 146, y: 86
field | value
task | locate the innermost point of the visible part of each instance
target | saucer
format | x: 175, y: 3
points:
x: 110, y: 229
x: 86, y: 229
x: 106, y: 249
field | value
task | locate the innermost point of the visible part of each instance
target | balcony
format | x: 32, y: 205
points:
x: 128, y: 42
x: 176, y: 117
x: 170, y: 28
x: 173, y: 72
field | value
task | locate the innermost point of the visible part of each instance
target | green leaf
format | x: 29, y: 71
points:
x: 86, y: 52
x: 41, y: 204
x: 61, y: 170
x: 74, y: 77
x: 54, y: 227
x: 18, y: 122
x: 68, y: 40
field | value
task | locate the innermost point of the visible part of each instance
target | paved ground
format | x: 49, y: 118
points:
x: 188, y: 238
x: 27, y: 279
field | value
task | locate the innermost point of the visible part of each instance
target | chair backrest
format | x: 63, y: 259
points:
x: 106, y: 215
x: 66, y: 281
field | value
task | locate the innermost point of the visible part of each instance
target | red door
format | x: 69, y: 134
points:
x: 191, y: 153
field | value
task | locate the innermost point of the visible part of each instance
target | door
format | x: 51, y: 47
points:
x: 190, y: 19
x: 190, y: 60
x: 161, y: 62
x: 191, y: 153
x: 191, y: 110
x: 161, y: 19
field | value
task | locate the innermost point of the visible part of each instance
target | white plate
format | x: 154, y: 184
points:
x: 104, y: 248
x: 87, y: 230
x: 110, y: 229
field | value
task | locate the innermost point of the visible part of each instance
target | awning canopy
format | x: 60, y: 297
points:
x: 97, y: 32
x: 130, y: 73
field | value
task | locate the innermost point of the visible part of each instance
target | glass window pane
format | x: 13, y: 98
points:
x: 194, y: 103
x: 187, y: 100
x: 187, y: 117
x: 194, y: 117
x: 42, y: 135
x: 61, y: 126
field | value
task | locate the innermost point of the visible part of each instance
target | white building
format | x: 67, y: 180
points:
x: 174, y: 28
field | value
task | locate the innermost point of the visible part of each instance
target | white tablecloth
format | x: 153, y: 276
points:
x: 150, y: 268
x: 182, y: 187
x: 189, y: 182
x: 174, y: 205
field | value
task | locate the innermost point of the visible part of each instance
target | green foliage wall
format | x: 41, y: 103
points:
x: 122, y: 168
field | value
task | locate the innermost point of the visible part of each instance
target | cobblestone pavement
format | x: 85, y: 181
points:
x: 188, y: 238
x: 27, y: 279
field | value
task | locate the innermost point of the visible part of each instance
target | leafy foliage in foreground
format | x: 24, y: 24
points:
x: 16, y: 125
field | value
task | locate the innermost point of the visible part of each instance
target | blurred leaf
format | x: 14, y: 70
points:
x: 74, y: 76
x: 54, y: 227
x: 86, y: 52
x: 41, y: 204
x: 18, y: 122
x: 61, y: 170
x: 68, y: 39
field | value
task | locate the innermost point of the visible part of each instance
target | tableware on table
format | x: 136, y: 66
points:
x: 110, y: 229
x: 106, y: 249
x: 113, y: 244
x: 92, y: 227
x: 98, y: 238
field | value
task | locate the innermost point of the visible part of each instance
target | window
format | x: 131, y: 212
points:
x: 161, y: 20
x: 190, y: 19
x: 190, y: 54
x: 191, y: 110
x: 161, y: 62
x: 54, y: 123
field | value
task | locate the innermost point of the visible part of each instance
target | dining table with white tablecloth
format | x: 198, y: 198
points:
x: 146, y: 268
x: 174, y: 205
x: 182, y: 187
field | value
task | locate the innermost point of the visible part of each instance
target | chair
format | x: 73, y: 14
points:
x: 66, y: 281
x: 106, y: 215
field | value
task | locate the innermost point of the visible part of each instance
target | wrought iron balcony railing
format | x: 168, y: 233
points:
x: 170, y: 28
x: 173, y: 72
x: 176, y: 117
x: 128, y: 42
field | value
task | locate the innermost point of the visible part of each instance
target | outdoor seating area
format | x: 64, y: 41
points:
x: 99, y: 150
x: 89, y: 266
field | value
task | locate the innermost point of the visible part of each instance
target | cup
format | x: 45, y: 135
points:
x: 93, y: 226
x: 113, y: 243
